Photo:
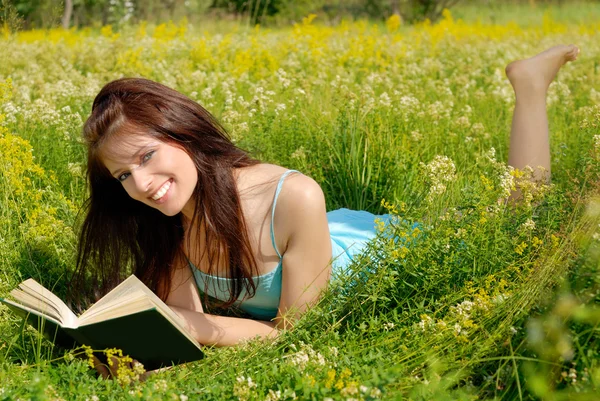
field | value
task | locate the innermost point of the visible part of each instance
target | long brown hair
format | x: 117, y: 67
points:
x: 120, y: 235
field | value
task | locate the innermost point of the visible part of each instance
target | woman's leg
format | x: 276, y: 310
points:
x: 529, y: 136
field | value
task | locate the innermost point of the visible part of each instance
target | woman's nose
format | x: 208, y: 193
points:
x: 141, y: 181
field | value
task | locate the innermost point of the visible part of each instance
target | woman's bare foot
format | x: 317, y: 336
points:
x: 534, y: 75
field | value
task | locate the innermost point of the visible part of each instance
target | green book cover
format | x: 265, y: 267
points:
x: 146, y: 336
x: 130, y: 317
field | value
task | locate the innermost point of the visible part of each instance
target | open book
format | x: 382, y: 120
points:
x: 130, y: 317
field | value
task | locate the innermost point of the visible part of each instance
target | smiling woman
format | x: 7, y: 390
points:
x: 176, y: 202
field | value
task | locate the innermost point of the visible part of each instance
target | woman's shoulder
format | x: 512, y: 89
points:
x: 296, y: 187
x: 300, y: 205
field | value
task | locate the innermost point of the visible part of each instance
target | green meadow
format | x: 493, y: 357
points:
x: 484, y: 299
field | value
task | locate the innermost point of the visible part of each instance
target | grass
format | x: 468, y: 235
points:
x: 482, y: 301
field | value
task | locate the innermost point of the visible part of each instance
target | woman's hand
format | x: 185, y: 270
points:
x: 123, y: 369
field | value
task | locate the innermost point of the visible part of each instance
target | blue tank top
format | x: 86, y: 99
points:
x: 350, y: 231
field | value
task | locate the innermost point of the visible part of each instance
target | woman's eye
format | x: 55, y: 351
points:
x: 122, y: 177
x: 147, y: 156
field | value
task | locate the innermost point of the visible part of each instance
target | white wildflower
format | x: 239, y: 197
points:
x: 491, y: 154
x: 463, y: 122
x: 477, y: 127
x: 384, y: 100
x: 307, y: 355
x: 416, y: 136
x: 279, y: 108
x: 242, y: 387
x: 440, y: 171
x: 299, y: 153
x: 507, y: 182
x: 273, y: 395
x: 528, y: 225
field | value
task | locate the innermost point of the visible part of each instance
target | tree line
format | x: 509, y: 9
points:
x: 29, y: 14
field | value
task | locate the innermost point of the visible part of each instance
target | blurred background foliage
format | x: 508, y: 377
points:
x: 29, y: 14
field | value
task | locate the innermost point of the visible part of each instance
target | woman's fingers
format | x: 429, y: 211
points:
x: 110, y: 369
x: 101, y: 368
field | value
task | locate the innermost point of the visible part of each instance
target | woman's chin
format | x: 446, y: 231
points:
x: 169, y: 211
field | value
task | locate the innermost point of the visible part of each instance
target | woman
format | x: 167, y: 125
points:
x: 173, y: 197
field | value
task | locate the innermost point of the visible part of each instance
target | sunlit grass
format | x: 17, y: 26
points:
x: 463, y: 297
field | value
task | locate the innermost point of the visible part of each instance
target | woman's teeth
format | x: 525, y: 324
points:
x: 162, y: 191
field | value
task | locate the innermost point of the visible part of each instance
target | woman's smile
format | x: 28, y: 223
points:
x: 162, y: 194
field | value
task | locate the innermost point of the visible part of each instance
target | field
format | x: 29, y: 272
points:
x: 484, y: 300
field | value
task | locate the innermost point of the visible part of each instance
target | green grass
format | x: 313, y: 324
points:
x: 483, y: 301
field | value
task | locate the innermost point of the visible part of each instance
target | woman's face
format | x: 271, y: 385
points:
x: 153, y: 172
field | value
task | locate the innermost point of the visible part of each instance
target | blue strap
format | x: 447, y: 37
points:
x: 279, y: 184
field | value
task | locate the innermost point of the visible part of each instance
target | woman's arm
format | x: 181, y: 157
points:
x: 303, y: 238
x: 184, y: 299
x: 223, y: 330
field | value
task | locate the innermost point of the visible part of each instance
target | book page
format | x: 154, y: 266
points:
x: 117, y: 293
x: 38, y: 297
x: 35, y: 303
x: 33, y: 311
x: 129, y: 297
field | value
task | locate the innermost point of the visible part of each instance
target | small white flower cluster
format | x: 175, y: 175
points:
x: 41, y: 111
x: 206, y: 94
x: 385, y: 100
x: 440, y: 171
x: 299, y: 153
x: 282, y: 78
x: 60, y: 90
x: 506, y: 179
x: 478, y: 129
x: 305, y: 356
x: 279, y: 108
x: 463, y: 309
x: 462, y: 122
x: 528, y: 225
x: 597, y: 146
x: 262, y: 97
x: 230, y: 117
x: 491, y: 155
x: 427, y: 324
x: 571, y: 375
x: 507, y: 182
x: 278, y: 395
x: 10, y: 112
x: 416, y: 136
x: 76, y: 169
x: 161, y: 385
x: 388, y: 326
x: 501, y: 87
x: 437, y: 111
x: 242, y: 387
x: 559, y: 92
x: 122, y: 10
x: 353, y: 392
x: 409, y: 103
